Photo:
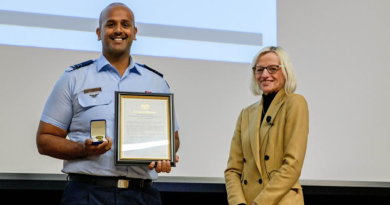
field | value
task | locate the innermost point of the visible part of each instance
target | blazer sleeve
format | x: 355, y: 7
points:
x: 295, y: 141
x: 233, y: 171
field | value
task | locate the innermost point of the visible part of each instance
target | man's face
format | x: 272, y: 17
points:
x: 117, y: 30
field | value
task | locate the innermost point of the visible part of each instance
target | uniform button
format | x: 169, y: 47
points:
x: 244, y: 160
x: 260, y: 181
x: 266, y: 157
x: 245, y: 182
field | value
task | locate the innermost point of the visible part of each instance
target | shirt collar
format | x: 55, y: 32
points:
x: 102, y: 62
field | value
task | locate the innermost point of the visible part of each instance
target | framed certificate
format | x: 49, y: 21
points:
x: 144, y: 128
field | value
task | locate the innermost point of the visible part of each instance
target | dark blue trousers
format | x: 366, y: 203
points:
x: 77, y: 193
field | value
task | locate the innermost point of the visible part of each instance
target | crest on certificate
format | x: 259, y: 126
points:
x: 145, y: 106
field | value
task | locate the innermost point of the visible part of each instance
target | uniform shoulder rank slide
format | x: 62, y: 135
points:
x: 151, y: 69
x: 80, y: 65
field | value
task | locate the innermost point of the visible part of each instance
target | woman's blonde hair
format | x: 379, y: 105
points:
x: 286, y: 67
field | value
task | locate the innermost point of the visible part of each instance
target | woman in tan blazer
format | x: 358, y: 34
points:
x: 269, y: 142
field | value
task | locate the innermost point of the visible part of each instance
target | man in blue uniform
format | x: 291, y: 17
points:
x: 86, y: 92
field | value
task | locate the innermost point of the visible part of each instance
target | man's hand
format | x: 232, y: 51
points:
x: 162, y: 166
x: 254, y: 203
x: 100, y: 149
x: 51, y: 141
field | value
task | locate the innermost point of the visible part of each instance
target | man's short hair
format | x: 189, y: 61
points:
x: 111, y: 5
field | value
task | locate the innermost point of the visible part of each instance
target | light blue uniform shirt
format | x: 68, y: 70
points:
x: 70, y: 109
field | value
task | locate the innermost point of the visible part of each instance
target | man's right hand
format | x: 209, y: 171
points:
x: 51, y: 141
x: 100, y: 149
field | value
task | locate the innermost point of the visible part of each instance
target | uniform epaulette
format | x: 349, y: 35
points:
x: 80, y: 65
x: 151, y: 69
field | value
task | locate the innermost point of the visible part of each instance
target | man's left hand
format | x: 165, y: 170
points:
x: 162, y: 166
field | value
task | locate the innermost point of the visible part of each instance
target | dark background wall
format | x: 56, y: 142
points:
x: 47, y: 189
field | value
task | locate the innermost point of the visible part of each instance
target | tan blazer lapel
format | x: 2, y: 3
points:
x: 254, y: 126
x: 273, y: 109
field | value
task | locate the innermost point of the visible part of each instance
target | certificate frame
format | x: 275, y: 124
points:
x: 144, y: 123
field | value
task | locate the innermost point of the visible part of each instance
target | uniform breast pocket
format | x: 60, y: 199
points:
x: 95, y: 106
x: 88, y: 100
x: 92, y: 106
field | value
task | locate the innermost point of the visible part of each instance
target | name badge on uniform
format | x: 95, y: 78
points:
x: 93, y: 92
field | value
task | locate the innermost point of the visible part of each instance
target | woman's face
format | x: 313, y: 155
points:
x: 269, y: 83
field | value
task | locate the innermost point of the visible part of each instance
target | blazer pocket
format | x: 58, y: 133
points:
x: 296, y: 187
x: 294, y: 190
